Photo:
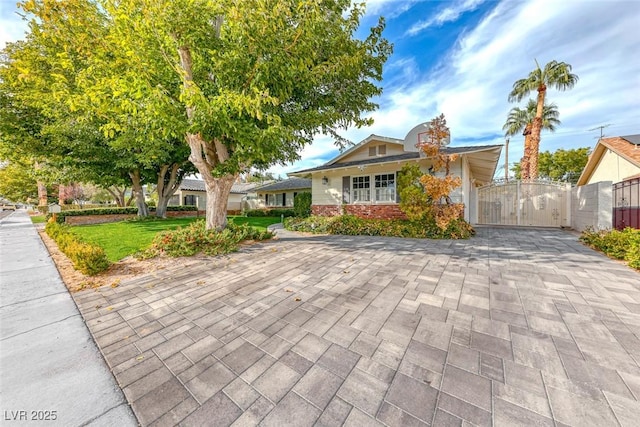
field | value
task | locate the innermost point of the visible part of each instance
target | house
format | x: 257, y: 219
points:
x: 192, y: 193
x: 281, y: 193
x: 363, y: 179
x: 613, y: 159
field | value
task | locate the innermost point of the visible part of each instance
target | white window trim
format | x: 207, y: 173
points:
x: 395, y: 189
x: 372, y: 189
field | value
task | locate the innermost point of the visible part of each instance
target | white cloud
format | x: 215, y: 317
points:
x: 447, y: 14
x: 472, y: 82
x: 389, y: 8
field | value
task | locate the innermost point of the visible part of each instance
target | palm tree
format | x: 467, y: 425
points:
x: 555, y: 74
x: 521, y: 120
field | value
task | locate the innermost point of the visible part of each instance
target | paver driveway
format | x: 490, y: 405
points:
x: 511, y: 327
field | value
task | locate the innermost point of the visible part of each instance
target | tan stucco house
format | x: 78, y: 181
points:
x: 613, y: 159
x: 363, y: 179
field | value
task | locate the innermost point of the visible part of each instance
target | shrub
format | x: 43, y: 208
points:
x: 87, y: 258
x: 195, y: 238
x: 355, y: 226
x: 115, y: 211
x: 271, y: 213
x: 302, y: 205
x: 616, y: 244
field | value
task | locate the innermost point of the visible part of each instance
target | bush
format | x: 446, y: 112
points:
x: 87, y: 258
x: 355, y: 226
x: 616, y: 244
x: 270, y: 213
x: 195, y: 238
x: 60, y: 218
x: 302, y: 205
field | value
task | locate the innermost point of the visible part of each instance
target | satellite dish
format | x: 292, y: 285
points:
x: 419, y: 135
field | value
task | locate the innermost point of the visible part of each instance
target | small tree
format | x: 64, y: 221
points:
x: 302, y: 204
x: 427, y: 196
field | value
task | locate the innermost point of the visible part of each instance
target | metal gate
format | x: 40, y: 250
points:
x: 525, y: 203
x: 626, y: 204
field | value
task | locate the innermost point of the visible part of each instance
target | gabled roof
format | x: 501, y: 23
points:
x: 627, y: 147
x: 483, y: 160
x: 287, y: 184
x: 372, y: 137
x: 198, y: 185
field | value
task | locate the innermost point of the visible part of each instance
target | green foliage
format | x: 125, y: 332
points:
x: 114, y: 211
x: 355, y: 226
x: 195, y: 239
x: 271, y: 213
x: 18, y: 182
x: 617, y: 244
x: 561, y: 165
x: 302, y: 205
x: 413, y: 199
x: 87, y: 258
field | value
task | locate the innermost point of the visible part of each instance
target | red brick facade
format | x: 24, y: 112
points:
x: 363, y: 211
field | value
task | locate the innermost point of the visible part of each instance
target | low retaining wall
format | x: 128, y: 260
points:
x: 101, y: 219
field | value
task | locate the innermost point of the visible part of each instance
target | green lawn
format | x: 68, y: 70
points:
x: 119, y: 239
x: 38, y: 219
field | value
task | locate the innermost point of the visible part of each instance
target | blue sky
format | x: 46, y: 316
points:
x: 461, y: 58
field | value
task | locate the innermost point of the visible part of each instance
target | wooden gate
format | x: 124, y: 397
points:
x: 626, y: 204
x: 525, y: 203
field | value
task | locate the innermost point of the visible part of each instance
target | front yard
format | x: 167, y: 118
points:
x: 120, y: 239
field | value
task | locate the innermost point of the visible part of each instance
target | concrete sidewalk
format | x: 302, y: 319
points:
x: 50, y: 367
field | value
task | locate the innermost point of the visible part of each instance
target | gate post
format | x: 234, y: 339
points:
x: 518, y: 202
x: 569, y: 196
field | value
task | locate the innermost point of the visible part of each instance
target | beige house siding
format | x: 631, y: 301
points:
x: 331, y: 193
x: 290, y: 194
x: 234, y: 203
x: 362, y: 153
x: 612, y: 167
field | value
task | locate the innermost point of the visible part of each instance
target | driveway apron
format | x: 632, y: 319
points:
x: 511, y: 327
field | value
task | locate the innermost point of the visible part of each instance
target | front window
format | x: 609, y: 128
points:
x: 361, y: 186
x: 385, y: 187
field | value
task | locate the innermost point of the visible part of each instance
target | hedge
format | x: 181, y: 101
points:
x: 87, y: 258
x: 270, y: 213
x: 352, y: 225
x: 115, y: 211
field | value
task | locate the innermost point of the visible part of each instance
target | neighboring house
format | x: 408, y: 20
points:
x: 363, y: 179
x: 281, y: 193
x: 192, y: 193
x: 613, y: 159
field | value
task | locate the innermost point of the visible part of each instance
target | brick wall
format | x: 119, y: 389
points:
x: 326, y: 210
x: 363, y: 211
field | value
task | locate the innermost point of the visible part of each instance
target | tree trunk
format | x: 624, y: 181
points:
x: 218, y: 190
x: 42, y: 188
x: 138, y: 193
x: 167, y: 186
x: 61, y: 194
x: 534, y: 148
x: 536, y: 128
x: 206, y: 155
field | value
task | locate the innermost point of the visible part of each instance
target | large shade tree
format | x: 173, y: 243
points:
x: 83, y: 129
x: 245, y: 84
x: 554, y: 74
x: 520, y: 120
